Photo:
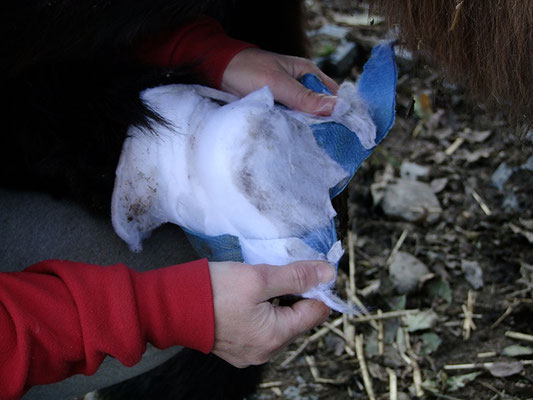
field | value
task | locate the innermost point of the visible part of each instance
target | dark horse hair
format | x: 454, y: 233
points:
x: 485, y: 45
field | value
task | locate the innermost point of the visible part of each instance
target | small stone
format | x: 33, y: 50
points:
x: 528, y: 165
x: 473, y: 273
x: 438, y: 185
x: 411, y: 200
x: 409, y: 170
x: 529, y: 135
x: 406, y: 271
x: 501, y: 175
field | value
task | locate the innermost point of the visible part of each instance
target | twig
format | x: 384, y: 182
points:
x: 267, y: 385
x: 364, y: 369
x: 417, y: 378
x: 492, y: 388
x: 349, y: 350
x: 440, y: 395
x: 417, y: 374
x: 397, y: 247
x: 393, y: 384
x: 317, y: 335
x: 481, y: 203
x: 514, y: 294
x: 519, y: 336
x: 468, y: 311
x: 454, y: 146
x: 349, y: 334
x: 310, y: 360
x: 487, y: 354
x: 372, y: 287
x: 354, y: 299
x: 400, y: 345
x: 341, y: 334
x: 380, y: 334
x: 455, y: 367
x: 385, y: 315
x: 351, y: 262
x: 508, y: 311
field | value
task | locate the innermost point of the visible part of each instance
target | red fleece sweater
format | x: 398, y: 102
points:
x: 200, y: 45
x: 60, y: 318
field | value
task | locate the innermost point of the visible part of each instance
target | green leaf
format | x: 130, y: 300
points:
x: 430, y: 343
x: 516, y: 350
x: 460, y: 381
x: 420, y: 321
x: 397, y: 302
x: 326, y: 50
x: 440, y: 288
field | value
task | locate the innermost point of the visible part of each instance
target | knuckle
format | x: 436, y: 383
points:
x: 270, y: 76
x: 305, y: 97
x: 307, y: 65
x: 257, y: 279
x: 301, y: 277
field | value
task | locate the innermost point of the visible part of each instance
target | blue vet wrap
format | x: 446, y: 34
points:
x: 377, y: 88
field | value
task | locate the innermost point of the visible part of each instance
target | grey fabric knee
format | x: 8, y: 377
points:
x: 35, y: 227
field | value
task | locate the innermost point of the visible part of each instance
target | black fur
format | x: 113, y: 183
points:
x: 71, y: 81
x: 190, y: 375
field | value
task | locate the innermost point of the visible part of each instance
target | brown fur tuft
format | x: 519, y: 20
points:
x: 487, y: 45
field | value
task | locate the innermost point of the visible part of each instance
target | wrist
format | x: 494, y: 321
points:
x: 176, y: 306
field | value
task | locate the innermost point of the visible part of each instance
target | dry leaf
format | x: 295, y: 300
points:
x: 503, y: 369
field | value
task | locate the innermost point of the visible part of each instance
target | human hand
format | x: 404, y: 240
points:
x: 249, y: 330
x: 253, y: 68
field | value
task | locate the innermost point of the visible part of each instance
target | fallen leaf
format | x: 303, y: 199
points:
x: 420, y: 321
x: 439, y: 288
x: 423, y: 107
x: 430, y: 343
x: 472, y: 157
x: 397, y: 302
x: 515, y: 350
x: 476, y: 136
x: 503, y: 369
x: 438, y: 185
x: 528, y: 235
x: 443, y: 134
x: 460, y: 381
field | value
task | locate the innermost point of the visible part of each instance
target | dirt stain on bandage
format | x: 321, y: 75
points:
x: 284, y: 174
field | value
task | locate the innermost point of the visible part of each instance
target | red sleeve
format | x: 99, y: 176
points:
x: 201, y: 45
x: 60, y: 318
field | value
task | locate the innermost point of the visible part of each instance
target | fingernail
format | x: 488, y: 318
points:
x: 326, y: 106
x: 326, y: 273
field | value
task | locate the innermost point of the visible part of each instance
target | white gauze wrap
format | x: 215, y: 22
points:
x: 248, y: 168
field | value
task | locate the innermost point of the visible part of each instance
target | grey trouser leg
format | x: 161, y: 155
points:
x: 34, y: 227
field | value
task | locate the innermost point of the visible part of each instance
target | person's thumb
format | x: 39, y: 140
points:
x: 295, y: 278
x: 299, y: 318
